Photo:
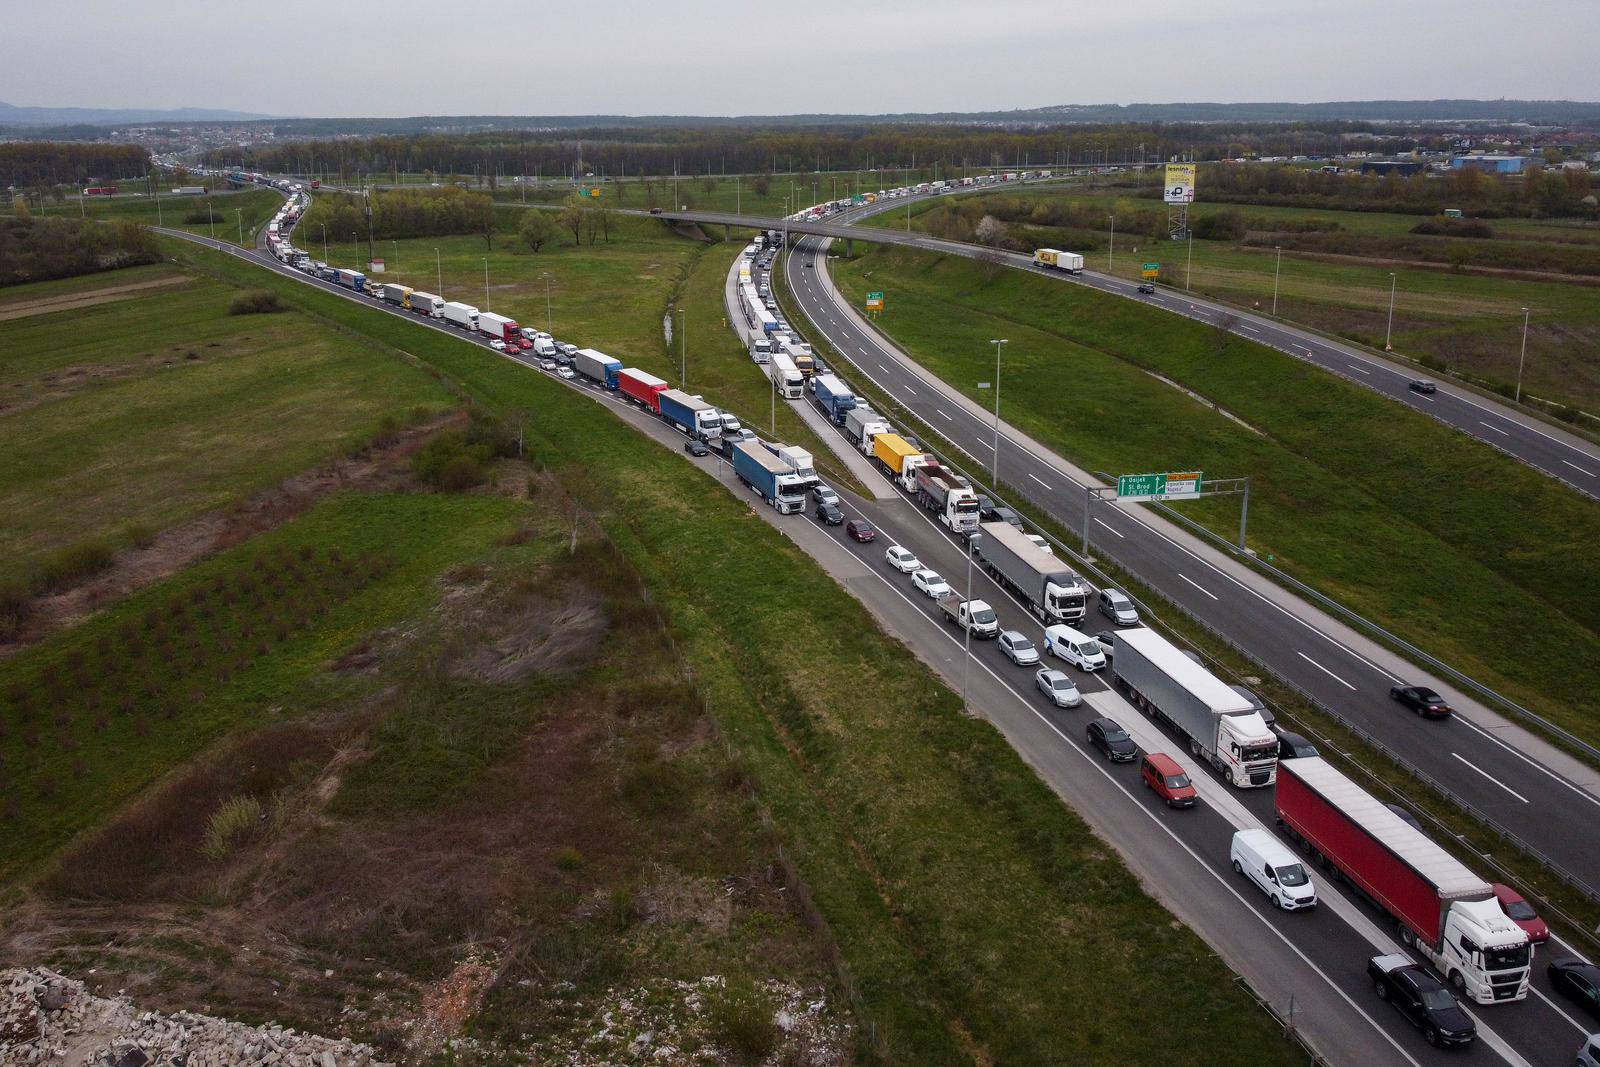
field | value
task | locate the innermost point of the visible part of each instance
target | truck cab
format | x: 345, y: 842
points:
x: 976, y: 614
x: 1247, y: 751
x: 1484, y: 955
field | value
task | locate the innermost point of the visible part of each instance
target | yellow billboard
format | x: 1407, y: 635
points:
x: 1180, y: 183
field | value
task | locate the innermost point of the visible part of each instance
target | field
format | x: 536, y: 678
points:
x: 234, y: 211
x: 187, y: 410
x: 1464, y: 318
x: 427, y: 818
x: 1479, y: 538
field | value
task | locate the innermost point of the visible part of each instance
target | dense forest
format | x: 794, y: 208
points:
x: 29, y: 164
x: 402, y: 213
x: 621, y: 152
x: 36, y: 250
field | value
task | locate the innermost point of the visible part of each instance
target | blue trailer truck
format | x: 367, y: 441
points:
x: 690, y: 414
x: 833, y: 396
x: 778, y: 483
x: 598, y: 366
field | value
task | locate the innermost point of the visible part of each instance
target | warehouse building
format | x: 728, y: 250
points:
x: 1493, y: 164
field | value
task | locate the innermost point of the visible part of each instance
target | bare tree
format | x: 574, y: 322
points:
x: 606, y: 218
x: 572, y: 218
x: 992, y: 261
x: 991, y: 234
x: 1222, y: 330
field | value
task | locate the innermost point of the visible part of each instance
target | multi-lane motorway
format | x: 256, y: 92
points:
x: 1554, y: 451
x: 1316, y: 959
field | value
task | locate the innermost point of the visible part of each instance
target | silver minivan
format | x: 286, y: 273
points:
x: 1115, y: 605
x: 1275, y: 870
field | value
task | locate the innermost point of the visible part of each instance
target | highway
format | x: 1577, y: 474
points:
x: 1317, y: 959
x: 1502, y: 770
x: 1565, y: 456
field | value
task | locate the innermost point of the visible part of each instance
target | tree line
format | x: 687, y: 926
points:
x: 1539, y: 191
x: 30, y: 164
x: 36, y: 250
x: 402, y: 213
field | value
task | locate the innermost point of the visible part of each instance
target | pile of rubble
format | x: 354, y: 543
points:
x: 46, y: 1017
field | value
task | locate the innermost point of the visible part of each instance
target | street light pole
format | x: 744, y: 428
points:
x: 966, y: 664
x: 239, y: 217
x: 486, y: 283
x: 1388, y: 331
x: 1524, y: 356
x: 1111, y: 247
x: 998, y: 344
x: 438, y: 267
x: 683, y: 347
x: 1276, y: 267
x: 549, y: 319
x: 1188, y: 269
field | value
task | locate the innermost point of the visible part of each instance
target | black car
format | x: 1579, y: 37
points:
x: 1578, y: 980
x: 1422, y: 700
x: 1422, y: 385
x: 1293, y: 746
x: 1147, y: 289
x: 1419, y: 995
x: 830, y: 515
x: 697, y: 448
x: 1258, y: 705
x: 1111, y: 739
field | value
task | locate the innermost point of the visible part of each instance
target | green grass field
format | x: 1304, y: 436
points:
x: 1434, y: 535
x: 978, y: 918
x: 233, y: 211
x: 1468, y: 322
x: 141, y: 412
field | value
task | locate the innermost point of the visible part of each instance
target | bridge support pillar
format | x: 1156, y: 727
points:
x: 849, y: 248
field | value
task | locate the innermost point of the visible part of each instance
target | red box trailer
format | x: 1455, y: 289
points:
x: 642, y: 387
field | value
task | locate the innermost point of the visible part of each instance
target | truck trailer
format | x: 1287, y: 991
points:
x: 1444, y: 911
x: 504, y: 329
x: 786, y: 377
x: 890, y: 452
x: 1055, y: 259
x: 1220, y: 725
x: 351, y: 279
x: 833, y: 396
x: 777, y: 482
x: 1050, y: 588
x: 597, y: 366
x: 459, y: 314
x: 794, y: 457
x: 426, y: 304
x: 946, y: 493
x: 861, y: 425
x: 689, y: 414
x: 394, y: 294
x: 642, y: 387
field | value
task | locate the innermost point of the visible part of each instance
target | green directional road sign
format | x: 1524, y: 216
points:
x: 1134, y: 487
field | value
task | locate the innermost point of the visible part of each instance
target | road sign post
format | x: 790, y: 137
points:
x: 1169, y: 487
x: 1150, y: 271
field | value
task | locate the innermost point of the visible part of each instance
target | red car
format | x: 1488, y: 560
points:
x: 1521, y: 912
x: 861, y: 530
x: 1162, y: 774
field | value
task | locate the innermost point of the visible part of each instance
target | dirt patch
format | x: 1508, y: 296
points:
x: 176, y: 547
x: 25, y: 308
x: 550, y: 635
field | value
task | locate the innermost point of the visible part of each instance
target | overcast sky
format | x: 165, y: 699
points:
x: 512, y: 57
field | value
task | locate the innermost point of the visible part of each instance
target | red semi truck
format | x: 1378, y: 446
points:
x: 1445, y: 912
x: 642, y: 387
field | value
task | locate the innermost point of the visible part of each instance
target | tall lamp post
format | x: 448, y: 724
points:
x: 998, y: 344
x: 683, y: 348
x: 239, y: 217
x: 549, y: 319
x: 1524, y: 356
x: 1276, y: 267
x: 486, y: 283
x: 1388, y: 331
x: 1111, y: 246
x: 438, y: 269
x: 966, y: 663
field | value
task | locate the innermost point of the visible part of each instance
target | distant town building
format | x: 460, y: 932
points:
x: 1402, y: 167
x: 1493, y: 164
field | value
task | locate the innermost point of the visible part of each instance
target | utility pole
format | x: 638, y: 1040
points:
x: 1522, y: 358
x: 1388, y: 330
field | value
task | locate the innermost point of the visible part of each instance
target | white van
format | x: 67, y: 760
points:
x: 1268, y: 863
x: 1078, y: 649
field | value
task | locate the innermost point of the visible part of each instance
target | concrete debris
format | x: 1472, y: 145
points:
x: 46, y: 1017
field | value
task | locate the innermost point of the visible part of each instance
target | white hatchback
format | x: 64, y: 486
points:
x: 902, y: 559
x: 930, y: 583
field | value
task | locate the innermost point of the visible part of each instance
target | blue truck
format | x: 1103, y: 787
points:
x: 779, y: 484
x: 833, y: 396
x: 690, y: 414
x: 598, y: 366
x: 351, y: 279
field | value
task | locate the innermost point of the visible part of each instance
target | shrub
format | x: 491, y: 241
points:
x: 73, y: 564
x: 451, y: 463
x: 236, y: 819
x: 255, y: 302
x: 741, y: 1017
x: 568, y: 858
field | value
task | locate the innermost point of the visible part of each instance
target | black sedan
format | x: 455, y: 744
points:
x: 697, y: 447
x: 1111, y: 739
x: 829, y: 515
x: 1147, y: 289
x: 1577, y: 980
x: 1422, y: 700
x: 1423, y: 386
x: 1419, y: 995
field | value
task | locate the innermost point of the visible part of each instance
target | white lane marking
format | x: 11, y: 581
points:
x: 1552, y: 775
x: 1424, y: 396
x: 1489, y: 776
x: 1580, y: 470
x: 1557, y: 1009
x: 1326, y: 671
x: 947, y: 417
x: 1247, y: 326
x: 1114, y: 530
x: 1040, y: 480
x: 1358, y: 370
x: 1197, y: 585
x: 910, y: 390
x: 1496, y: 429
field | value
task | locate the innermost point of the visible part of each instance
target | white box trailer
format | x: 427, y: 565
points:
x: 426, y: 303
x: 790, y: 383
x: 459, y: 314
x: 1219, y: 724
x: 1052, y: 591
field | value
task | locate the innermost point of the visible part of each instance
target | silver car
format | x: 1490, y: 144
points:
x: 1058, y: 687
x: 1018, y: 649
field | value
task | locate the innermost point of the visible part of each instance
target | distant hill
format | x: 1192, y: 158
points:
x: 12, y: 115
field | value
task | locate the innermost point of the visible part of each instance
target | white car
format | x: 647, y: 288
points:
x: 1044, y: 546
x: 566, y: 372
x: 930, y: 583
x: 498, y: 345
x: 1078, y: 649
x: 902, y: 559
x: 547, y: 364
x: 1058, y: 687
x: 1018, y: 649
